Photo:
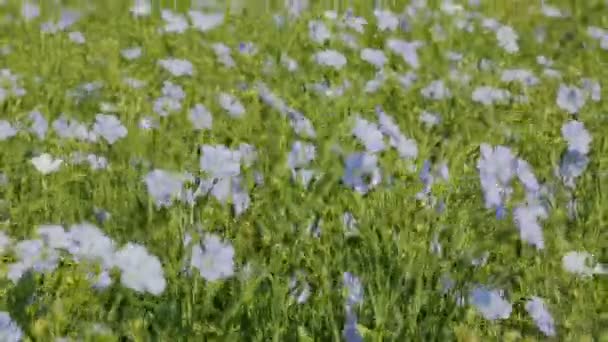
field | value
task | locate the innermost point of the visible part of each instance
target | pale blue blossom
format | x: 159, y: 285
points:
x: 164, y: 106
x: 109, y: 127
x: 54, y: 236
x: 30, y: 11
x: 374, y: 57
x: 214, y: 259
x: 89, y: 243
x: 174, y: 22
x: 231, y: 104
x: 349, y: 40
x: 430, y: 118
x: 220, y: 162
x: 436, y: 90
x: 141, y: 8
x: 572, y: 166
x: 248, y: 48
x: 376, y: 83
x: 361, y: 172
x: 318, y: 32
x: 577, y: 137
x: 300, y: 289
x: 507, y: 39
x: 354, y: 22
x: 330, y: 58
x: 487, y: 95
x: 177, y: 67
x: 223, y: 54
x: 77, y: 37
x: 164, y: 187
x: 497, y: 166
x: 407, y: 50
x: 131, y: 53
x: 32, y: 255
x: 296, y: 7
x: 526, y: 218
x: 526, y: 176
x: 592, y: 88
x: 301, y: 155
x: 551, y: 11
x: 9, y: 330
x: 289, y: 63
x: 205, y: 22
x: 200, y: 117
x: 407, y: 148
x: 407, y: 80
x: 570, y: 98
x: 537, y: 309
x: 350, y: 224
x: 354, y: 289
x: 386, y: 20
x: 7, y: 130
x: 526, y: 77
x: 68, y: 128
x: 140, y: 271
x: 369, y: 135
x: 134, y: 82
x: 490, y: 303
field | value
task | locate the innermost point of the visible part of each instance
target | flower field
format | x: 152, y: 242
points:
x: 362, y: 171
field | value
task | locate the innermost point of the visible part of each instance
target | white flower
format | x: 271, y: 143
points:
x: 141, y: 8
x: 141, y: 271
x: 551, y: 11
x: 214, y: 260
x: 77, y: 37
x: 330, y: 58
x: 45, y: 163
x: 576, y: 263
